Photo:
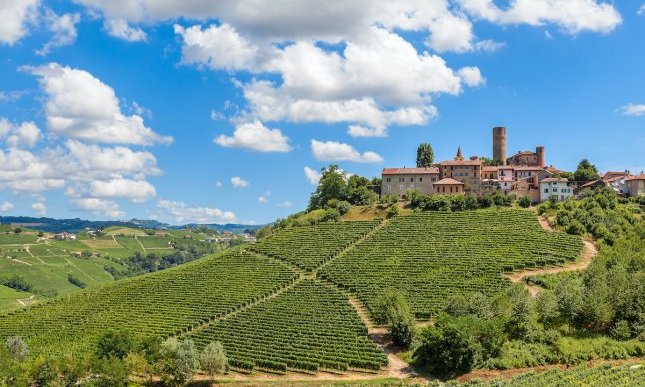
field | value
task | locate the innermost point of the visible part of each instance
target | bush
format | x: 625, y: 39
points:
x: 75, y: 281
x: 393, y: 211
x: 575, y: 228
x: 524, y: 202
x: 392, y: 308
x: 213, y: 359
x: 17, y: 348
x: 114, y: 344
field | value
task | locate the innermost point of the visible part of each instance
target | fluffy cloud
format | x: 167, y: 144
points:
x: 40, y: 208
x: 24, y: 172
x: 14, y: 18
x: 336, y: 151
x: 633, y: 109
x: 361, y: 131
x: 25, y: 135
x: 312, y: 176
x: 471, y: 76
x: 285, y: 204
x: 574, y: 16
x: 217, y: 47
x: 63, y: 28
x: 80, y: 106
x: 641, y: 10
x: 120, y: 28
x: 255, y: 136
x: 6, y: 207
x: 264, y: 198
x: 238, y: 182
x: 181, y: 213
x: 96, y: 206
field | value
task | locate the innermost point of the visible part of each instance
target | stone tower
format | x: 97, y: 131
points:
x: 499, y: 144
x: 539, y: 152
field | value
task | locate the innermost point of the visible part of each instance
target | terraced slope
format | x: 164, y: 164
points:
x: 309, y: 327
x: 310, y: 246
x: 600, y: 376
x: 163, y: 303
x: 432, y: 255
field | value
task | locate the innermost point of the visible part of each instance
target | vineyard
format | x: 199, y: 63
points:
x: 432, y: 255
x: 310, y: 327
x: 163, y: 303
x: 604, y: 375
x: 281, y: 304
x: 310, y: 246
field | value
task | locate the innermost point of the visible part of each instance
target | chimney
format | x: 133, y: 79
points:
x: 499, y: 144
x: 539, y: 151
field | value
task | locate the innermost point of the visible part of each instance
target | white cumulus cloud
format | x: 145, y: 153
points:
x: 40, y: 208
x: 120, y: 28
x: 632, y: 109
x: 181, y: 213
x: 336, y: 151
x: 100, y: 207
x: 15, y: 16
x: 238, y: 182
x: 471, y: 76
x: 313, y: 176
x: 25, y: 135
x: 6, y: 207
x: 63, y: 28
x: 80, y: 106
x: 255, y: 136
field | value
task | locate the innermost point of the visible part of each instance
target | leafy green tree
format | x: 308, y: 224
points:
x: 570, y: 300
x: 393, y: 309
x: 546, y: 306
x: 425, y: 155
x: 114, y: 344
x: 586, y: 171
x: 110, y: 372
x: 520, y: 313
x: 524, y: 202
x: 213, y: 359
x: 179, y: 360
x: 331, y: 185
x: 358, y: 192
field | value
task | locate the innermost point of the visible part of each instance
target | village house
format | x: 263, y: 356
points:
x: 64, y: 236
x: 467, y: 172
x: 449, y: 186
x: 397, y: 181
x: 636, y: 185
x: 555, y: 187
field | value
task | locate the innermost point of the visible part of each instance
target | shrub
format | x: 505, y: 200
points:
x: 393, y: 211
x: 524, y: 202
x: 114, y: 344
x: 393, y: 309
x: 213, y: 359
x: 17, y: 348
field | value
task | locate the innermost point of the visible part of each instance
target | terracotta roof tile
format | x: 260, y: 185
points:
x: 637, y: 177
x: 461, y: 162
x: 448, y: 181
x: 554, y: 180
x: 410, y: 171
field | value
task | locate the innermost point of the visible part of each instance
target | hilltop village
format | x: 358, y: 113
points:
x: 524, y: 174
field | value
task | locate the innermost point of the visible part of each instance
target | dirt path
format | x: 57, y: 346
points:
x: 140, y: 244
x: 589, y: 251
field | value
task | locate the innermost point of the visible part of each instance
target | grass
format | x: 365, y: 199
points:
x: 371, y: 212
x: 129, y: 231
x: 9, y: 298
x: 102, y: 244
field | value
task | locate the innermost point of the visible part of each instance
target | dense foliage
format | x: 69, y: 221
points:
x: 432, y: 255
x: 585, y: 171
x: 392, y: 309
x: 425, y: 155
x: 457, y: 203
x: 309, y: 327
x: 336, y: 186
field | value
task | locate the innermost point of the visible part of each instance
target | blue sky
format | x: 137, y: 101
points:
x: 212, y: 111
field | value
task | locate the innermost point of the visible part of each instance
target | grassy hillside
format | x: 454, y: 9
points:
x: 267, y: 304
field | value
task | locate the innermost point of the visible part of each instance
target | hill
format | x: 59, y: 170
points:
x: 307, y: 272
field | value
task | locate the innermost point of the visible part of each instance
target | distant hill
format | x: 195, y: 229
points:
x: 76, y: 225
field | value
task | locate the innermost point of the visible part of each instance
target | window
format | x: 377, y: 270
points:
x: 389, y: 179
x: 546, y: 190
x: 555, y: 190
x: 434, y: 179
x: 420, y: 179
x: 401, y: 187
x: 444, y: 189
x: 450, y: 189
x: 401, y: 180
x: 412, y: 179
x: 389, y: 188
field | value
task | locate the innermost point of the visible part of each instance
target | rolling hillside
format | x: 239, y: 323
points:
x: 276, y: 307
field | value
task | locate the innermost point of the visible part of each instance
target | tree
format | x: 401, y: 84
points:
x: 524, y: 201
x: 331, y: 185
x: 17, y: 348
x: 110, y: 372
x: 425, y: 155
x: 393, y: 309
x: 17, y: 230
x: 570, y: 299
x: 546, y: 306
x: 213, y: 359
x: 114, y: 344
x: 586, y: 171
x: 179, y: 360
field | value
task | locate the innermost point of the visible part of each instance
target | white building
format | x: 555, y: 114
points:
x: 555, y: 187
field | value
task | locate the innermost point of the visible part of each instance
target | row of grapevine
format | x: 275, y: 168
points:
x: 433, y: 255
x: 309, y: 327
x: 163, y: 303
x: 601, y: 376
x: 310, y: 246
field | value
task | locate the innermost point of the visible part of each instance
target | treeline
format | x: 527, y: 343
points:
x: 463, y: 202
x: 140, y: 264
x: 117, y: 357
